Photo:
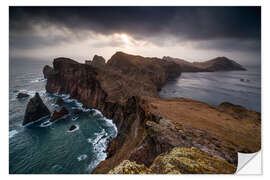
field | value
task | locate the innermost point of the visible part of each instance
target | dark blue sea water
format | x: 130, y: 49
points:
x: 52, y: 149
x: 217, y: 87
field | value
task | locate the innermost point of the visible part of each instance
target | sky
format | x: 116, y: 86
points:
x: 190, y: 33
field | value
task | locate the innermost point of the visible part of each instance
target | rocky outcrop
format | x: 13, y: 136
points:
x: 126, y: 90
x: 57, y: 115
x: 22, y: 95
x: 178, y: 161
x: 72, y: 127
x: 98, y: 61
x: 216, y: 64
x: 35, y: 110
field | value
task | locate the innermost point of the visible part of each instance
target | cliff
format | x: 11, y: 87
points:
x: 126, y: 88
x: 216, y: 64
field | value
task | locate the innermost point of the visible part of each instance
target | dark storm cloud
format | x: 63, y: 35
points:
x: 191, y: 22
x: 228, y: 28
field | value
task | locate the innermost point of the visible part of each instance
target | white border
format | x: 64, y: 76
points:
x: 4, y: 72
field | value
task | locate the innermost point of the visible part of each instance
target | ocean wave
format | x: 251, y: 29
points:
x: 75, y: 118
x: 12, y: 133
x: 82, y: 157
x: 38, y: 80
x: 100, y: 145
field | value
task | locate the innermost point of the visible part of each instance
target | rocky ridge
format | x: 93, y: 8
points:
x: 216, y: 64
x: 126, y: 88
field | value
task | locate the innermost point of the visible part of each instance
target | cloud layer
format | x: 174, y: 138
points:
x: 185, y: 32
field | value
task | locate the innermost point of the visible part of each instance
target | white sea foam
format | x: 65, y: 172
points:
x: 12, y: 133
x: 82, y: 157
x: 45, y: 124
x: 74, y: 118
x: 38, y: 80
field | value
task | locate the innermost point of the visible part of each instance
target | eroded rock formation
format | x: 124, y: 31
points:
x: 35, y: 110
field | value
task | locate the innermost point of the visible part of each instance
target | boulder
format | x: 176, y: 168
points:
x: 59, y: 101
x: 22, y: 95
x: 57, y: 115
x: 72, y: 127
x: 35, y: 110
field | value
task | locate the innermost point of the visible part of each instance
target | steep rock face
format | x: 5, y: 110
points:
x: 35, y: 110
x: 216, y: 64
x: 178, y: 161
x: 98, y: 61
x: 154, y: 69
x: 78, y: 80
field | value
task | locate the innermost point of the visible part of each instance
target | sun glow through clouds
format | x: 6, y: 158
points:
x: 125, y: 38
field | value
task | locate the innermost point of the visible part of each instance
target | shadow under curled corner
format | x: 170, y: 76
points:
x: 249, y: 164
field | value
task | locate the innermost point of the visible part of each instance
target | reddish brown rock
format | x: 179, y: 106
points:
x: 57, y: 115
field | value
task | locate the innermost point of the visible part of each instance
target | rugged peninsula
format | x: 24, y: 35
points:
x: 125, y: 89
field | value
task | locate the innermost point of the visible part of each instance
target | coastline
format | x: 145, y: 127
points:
x: 133, y: 111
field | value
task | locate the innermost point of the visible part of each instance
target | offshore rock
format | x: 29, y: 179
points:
x: 57, y: 115
x: 22, y: 95
x: 35, y: 110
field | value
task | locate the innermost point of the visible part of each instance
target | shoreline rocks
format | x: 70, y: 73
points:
x: 57, y: 115
x: 35, y: 110
x: 59, y: 101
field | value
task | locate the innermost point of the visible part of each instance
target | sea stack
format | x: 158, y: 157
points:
x: 35, y: 110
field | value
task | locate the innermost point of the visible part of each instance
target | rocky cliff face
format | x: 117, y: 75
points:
x: 126, y: 90
x: 216, y: 64
x: 98, y: 61
x: 35, y: 110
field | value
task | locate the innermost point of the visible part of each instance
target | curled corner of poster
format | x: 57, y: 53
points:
x: 249, y: 164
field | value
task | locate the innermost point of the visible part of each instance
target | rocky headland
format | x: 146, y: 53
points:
x: 125, y: 89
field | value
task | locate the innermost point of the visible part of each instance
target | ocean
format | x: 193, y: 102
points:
x: 52, y: 149
x: 237, y: 87
x: 39, y: 149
